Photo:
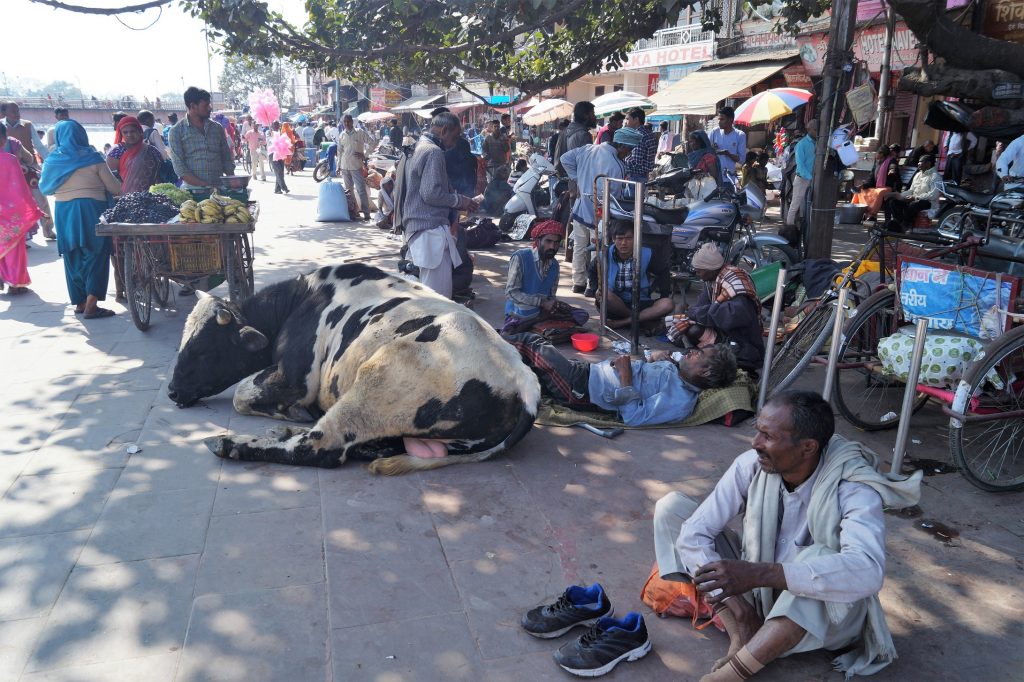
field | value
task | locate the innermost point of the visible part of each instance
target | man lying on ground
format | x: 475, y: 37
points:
x: 619, y: 276
x: 807, y: 573
x: 533, y: 281
x: 727, y: 311
x: 642, y: 393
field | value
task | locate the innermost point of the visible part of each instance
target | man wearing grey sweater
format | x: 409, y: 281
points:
x: 429, y: 205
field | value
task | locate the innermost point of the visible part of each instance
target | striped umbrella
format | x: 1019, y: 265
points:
x: 765, y: 107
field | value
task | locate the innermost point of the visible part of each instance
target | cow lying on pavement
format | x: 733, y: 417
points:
x: 380, y: 363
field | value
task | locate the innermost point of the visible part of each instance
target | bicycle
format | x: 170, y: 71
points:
x: 246, y: 159
x: 804, y: 341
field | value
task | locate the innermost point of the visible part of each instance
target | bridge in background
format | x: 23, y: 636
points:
x: 39, y: 110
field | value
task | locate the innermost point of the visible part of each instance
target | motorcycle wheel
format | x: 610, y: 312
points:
x: 957, y: 223
x: 321, y: 171
x: 508, y: 222
x: 769, y: 253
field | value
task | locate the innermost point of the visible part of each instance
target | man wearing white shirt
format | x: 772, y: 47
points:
x: 1010, y: 163
x: 354, y: 144
x: 955, y: 154
x: 665, y: 141
x: 807, y: 572
x: 730, y: 144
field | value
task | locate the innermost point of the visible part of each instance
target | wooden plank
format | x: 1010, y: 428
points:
x: 173, y: 229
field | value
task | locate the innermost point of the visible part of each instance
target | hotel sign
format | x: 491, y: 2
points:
x: 667, y: 56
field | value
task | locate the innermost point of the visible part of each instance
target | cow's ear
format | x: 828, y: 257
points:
x: 251, y: 338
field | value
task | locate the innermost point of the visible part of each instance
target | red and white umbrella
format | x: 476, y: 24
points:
x: 765, y: 107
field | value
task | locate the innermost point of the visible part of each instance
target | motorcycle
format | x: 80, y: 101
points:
x: 530, y: 196
x: 996, y: 219
x: 723, y: 217
x: 963, y: 211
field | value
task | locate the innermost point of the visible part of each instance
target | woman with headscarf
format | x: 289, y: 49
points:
x: 701, y: 155
x: 135, y: 161
x: 18, y: 214
x: 79, y: 180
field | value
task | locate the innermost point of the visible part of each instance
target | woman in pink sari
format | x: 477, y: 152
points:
x: 18, y: 214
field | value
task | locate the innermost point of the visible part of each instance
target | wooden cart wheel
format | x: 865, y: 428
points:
x: 138, y: 282
x: 161, y: 290
x: 239, y: 277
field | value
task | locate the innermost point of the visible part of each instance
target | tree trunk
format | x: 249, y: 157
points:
x: 958, y: 45
x: 939, y: 78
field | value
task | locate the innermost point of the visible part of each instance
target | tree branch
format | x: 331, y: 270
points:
x: 103, y: 10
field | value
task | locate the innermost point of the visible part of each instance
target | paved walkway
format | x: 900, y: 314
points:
x: 170, y: 564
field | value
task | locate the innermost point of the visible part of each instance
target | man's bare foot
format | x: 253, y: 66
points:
x: 618, y: 323
x: 741, y: 623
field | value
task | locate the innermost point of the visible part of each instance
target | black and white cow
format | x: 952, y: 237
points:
x: 371, y: 357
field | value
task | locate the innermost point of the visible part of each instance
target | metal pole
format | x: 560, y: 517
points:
x: 837, y: 338
x: 884, y: 77
x: 602, y: 277
x: 908, y: 396
x: 638, y: 224
x: 769, y: 351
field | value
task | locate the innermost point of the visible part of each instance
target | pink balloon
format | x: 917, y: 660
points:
x: 264, y: 107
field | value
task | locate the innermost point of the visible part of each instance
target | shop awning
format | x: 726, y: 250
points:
x: 702, y: 90
x: 415, y: 103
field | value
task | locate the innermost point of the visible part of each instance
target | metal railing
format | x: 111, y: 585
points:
x: 670, y: 37
x: 602, y: 215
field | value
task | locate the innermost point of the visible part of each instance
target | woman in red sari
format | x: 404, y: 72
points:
x: 288, y: 130
x: 136, y: 162
x: 18, y: 214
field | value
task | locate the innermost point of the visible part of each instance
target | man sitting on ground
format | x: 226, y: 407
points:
x: 727, y: 311
x: 619, y: 276
x: 533, y: 281
x: 808, y: 570
x: 642, y: 393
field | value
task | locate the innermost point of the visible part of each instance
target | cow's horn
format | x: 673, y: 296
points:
x: 224, y: 316
x: 202, y: 294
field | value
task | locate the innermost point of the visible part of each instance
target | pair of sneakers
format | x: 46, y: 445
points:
x: 607, y: 641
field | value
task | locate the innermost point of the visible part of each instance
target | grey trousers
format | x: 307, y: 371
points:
x: 671, y: 511
x: 581, y: 238
x: 356, y: 184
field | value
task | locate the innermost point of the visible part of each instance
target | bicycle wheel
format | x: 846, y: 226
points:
x: 863, y: 394
x: 990, y: 454
x: 800, y: 347
x: 321, y: 171
x: 247, y: 162
x: 239, y: 281
x: 138, y: 283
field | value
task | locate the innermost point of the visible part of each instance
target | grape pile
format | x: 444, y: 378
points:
x: 141, y: 207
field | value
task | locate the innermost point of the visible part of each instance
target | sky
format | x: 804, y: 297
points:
x: 105, y: 58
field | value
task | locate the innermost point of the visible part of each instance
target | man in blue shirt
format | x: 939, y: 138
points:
x: 730, y: 144
x: 641, y: 393
x: 804, y: 152
x: 619, y: 275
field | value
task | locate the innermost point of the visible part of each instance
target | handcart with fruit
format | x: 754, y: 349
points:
x: 198, y: 242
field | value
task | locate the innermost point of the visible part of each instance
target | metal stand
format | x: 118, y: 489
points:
x: 769, y: 351
x: 920, y: 333
x: 837, y: 341
x: 601, y: 217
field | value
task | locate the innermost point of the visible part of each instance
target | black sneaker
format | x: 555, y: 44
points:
x: 579, y: 288
x: 602, y: 647
x: 578, y: 605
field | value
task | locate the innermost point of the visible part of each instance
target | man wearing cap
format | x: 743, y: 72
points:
x: 583, y: 165
x: 533, y: 281
x: 727, y: 311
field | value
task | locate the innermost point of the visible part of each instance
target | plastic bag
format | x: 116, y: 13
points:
x: 678, y: 599
x: 332, y: 204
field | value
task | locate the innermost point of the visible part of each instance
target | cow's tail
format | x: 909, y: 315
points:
x: 404, y: 464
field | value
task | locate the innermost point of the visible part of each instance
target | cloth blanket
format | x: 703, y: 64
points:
x: 844, y: 461
x: 712, y: 404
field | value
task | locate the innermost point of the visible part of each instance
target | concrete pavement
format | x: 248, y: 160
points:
x: 170, y: 564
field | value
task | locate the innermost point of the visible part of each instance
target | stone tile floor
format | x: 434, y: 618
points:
x: 169, y: 564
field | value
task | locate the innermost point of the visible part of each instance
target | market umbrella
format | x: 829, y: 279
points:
x: 375, y: 116
x: 620, y: 101
x: 547, y: 111
x: 765, y: 107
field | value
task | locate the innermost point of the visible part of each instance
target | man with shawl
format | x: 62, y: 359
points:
x: 807, y: 572
x: 727, y: 310
x: 78, y: 178
x: 136, y: 162
x: 533, y: 281
x: 18, y: 214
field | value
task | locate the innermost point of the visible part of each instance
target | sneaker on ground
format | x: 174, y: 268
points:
x: 578, y: 605
x: 605, y: 645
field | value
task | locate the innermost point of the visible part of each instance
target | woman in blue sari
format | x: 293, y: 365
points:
x: 701, y: 155
x: 79, y: 180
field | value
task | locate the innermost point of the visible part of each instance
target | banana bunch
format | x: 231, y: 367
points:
x: 216, y: 209
x: 189, y: 211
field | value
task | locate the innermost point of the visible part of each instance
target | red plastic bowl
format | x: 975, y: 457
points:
x: 584, y: 342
